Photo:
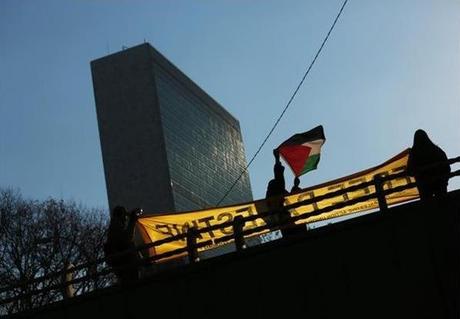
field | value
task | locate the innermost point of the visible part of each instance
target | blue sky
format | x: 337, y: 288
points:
x: 389, y: 68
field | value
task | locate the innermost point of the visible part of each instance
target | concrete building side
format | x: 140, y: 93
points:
x: 132, y: 143
x: 204, y: 145
x: 166, y: 144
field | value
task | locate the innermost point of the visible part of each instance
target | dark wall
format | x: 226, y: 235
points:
x: 403, y: 263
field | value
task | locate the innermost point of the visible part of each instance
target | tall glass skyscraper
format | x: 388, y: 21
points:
x: 166, y: 144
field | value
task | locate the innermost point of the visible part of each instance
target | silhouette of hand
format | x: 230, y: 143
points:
x: 135, y: 213
x: 296, y: 181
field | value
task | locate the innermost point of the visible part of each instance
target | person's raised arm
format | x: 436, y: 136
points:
x: 132, y: 218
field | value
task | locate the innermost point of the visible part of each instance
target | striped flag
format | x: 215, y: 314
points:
x: 302, y: 151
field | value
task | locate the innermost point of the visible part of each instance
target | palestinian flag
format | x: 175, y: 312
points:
x: 301, y: 151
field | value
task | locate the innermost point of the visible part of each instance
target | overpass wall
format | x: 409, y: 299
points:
x: 403, y: 263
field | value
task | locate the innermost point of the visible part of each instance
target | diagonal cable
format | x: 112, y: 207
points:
x: 288, y: 103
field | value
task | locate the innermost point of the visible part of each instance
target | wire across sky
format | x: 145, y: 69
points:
x: 289, y: 101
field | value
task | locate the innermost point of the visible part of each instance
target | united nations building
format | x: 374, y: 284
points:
x: 166, y: 144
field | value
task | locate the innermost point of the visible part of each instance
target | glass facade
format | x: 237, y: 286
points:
x: 204, y: 147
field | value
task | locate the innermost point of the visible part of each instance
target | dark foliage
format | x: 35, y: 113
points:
x: 39, y: 238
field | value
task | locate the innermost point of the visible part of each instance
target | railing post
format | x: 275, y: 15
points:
x: 238, y: 225
x: 92, y: 271
x: 378, y: 182
x: 69, y: 290
x: 192, y: 234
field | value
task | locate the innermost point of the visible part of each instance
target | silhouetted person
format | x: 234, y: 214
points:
x: 277, y: 186
x: 296, y: 189
x: 276, y: 191
x: 431, y: 181
x: 120, y: 238
x: 275, y: 198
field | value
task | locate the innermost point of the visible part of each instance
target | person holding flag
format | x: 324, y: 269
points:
x: 302, y: 153
x: 276, y: 190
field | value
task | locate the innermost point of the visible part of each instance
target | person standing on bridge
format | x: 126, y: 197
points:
x: 119, y: 247
x: 276, y: 190
x: 302, y: 153
x: 428, y: 164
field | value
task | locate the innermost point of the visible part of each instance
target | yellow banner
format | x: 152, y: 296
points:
x: 162, y: 226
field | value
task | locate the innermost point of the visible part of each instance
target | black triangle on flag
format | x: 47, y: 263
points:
x: 302, y: 151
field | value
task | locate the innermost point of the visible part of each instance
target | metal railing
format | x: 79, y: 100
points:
x: 65, y: 281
